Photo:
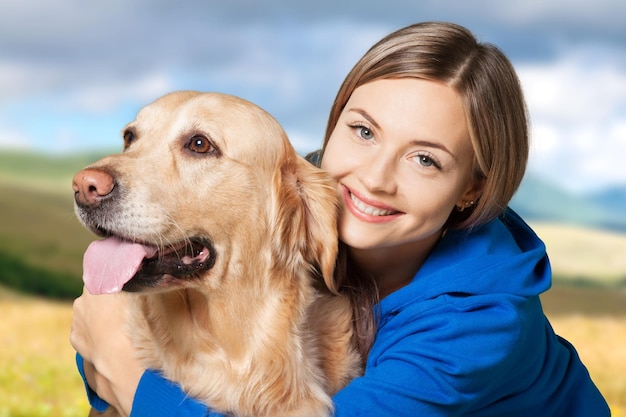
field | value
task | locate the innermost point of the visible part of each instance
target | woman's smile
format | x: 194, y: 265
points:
x: 368, y: 210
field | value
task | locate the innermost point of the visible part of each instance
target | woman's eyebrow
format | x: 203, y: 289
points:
x: 365, y: 116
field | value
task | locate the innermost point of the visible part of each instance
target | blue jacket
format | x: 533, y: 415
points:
x: 467, y: 337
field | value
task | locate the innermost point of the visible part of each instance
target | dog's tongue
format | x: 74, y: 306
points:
x: 110, y: 263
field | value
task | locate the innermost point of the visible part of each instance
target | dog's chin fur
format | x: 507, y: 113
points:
x: 259, y: 333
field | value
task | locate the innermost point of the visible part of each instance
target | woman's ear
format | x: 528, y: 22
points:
x: 471, y: 195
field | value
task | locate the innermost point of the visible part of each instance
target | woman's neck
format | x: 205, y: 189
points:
x: 393, y: 267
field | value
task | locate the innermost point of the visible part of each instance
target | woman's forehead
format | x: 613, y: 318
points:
x: 414, y: 109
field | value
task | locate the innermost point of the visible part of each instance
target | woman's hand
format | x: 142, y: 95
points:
x: 99, y: 334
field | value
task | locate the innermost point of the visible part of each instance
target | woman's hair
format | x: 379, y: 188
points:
x: 496, y: 117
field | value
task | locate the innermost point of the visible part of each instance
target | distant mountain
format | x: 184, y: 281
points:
x: 613, y: 198
x: 539, y: 200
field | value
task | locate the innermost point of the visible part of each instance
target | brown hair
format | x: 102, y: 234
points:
x: 496, y: 118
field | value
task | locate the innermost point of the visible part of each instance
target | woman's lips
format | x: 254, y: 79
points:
x: 367, y: 209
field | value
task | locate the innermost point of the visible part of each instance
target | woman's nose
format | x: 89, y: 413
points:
x: 378, y: 175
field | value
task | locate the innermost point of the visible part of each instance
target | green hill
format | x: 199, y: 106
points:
x: 539, y: 200
x: 41, y: 242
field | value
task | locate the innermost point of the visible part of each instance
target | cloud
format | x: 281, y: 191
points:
x: 105, y: 97
x: 578, y: 109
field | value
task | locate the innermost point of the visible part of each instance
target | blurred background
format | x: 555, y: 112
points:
x: 73, y: 73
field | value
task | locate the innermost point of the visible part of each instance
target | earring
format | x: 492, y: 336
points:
x: 464, y: 205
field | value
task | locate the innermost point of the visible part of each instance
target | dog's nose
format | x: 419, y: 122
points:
x: 91, y: 186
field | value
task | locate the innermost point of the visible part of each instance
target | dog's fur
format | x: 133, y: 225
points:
x: 254, y: 330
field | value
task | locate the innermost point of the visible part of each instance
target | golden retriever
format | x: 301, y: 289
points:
x: 227, y: 240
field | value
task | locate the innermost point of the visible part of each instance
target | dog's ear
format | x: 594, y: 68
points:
x: 305, y: 217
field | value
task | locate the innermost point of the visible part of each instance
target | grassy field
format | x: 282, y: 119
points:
x: 41, y: 247
x: 594, y: 321
x: 581, y: 254
x: 37, y: 372
x: 587, y: 306
x: 38, y: 375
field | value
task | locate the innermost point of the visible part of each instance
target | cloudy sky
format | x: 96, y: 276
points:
x: 73, y: 73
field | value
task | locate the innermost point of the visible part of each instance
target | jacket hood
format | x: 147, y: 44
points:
x: 504, y: 256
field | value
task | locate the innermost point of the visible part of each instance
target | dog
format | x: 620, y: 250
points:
x: 226, y: 240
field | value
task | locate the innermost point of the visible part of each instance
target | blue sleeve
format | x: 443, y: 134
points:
x: 155, y: 396
x: 96, y: 402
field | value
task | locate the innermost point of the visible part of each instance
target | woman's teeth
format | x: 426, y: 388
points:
x: 367, y: 209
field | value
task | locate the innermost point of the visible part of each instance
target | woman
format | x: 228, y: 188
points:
x: 428, y: 141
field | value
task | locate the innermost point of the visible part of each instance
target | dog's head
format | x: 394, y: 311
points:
x: 207, y: 183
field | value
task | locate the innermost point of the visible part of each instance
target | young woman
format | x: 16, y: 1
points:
x: 428, y: 141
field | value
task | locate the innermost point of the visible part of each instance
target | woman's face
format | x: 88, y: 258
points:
x: 402, y: 156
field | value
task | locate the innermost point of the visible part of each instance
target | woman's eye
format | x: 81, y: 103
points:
x: 427, y: 161
x: 200, y: 144
x: 364, y: 132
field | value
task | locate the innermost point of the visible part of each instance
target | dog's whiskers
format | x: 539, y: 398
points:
x: 179, y: 249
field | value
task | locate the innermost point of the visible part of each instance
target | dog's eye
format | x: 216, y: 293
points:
x: 201, y: 144
x: 129, y: 137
